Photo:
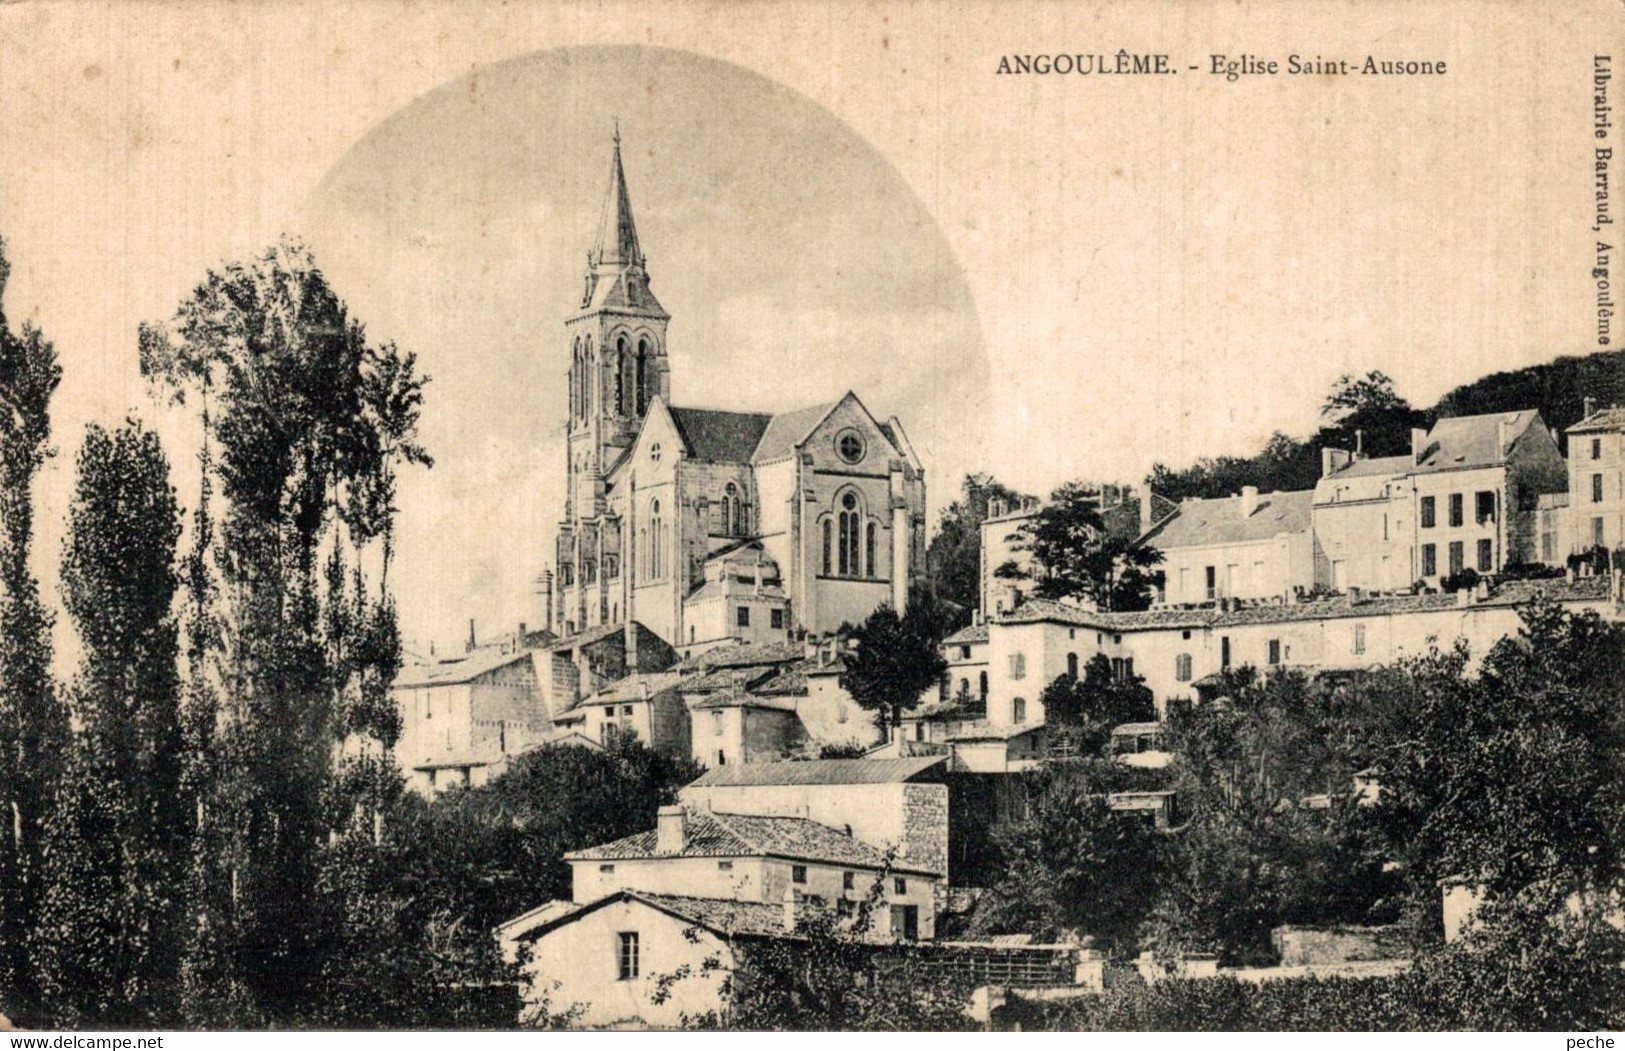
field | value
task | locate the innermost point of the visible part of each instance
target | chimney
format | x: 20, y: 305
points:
x: 1332, y: 460
x: 671, y: 831
x: 470, y: 648
x: 995, y: 508
x: 544, y: 588
x: 1590, y: 407
x: 1249, y: 500
x: 1147, y: 512
x: 976, y: 618
x: 1359, y: 443
x: 1502, y: 429
x: 792, y: 909
x: 1419, y: 439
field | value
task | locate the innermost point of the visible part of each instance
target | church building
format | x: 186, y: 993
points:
x: 707, y: 526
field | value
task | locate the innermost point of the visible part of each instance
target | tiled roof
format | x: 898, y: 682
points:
x: 632, y: 687
x: 452, y: 673
x: 718, y: 835
x: 715, y: 589
x: 720, y: 437
x: 1200, y: 523
x: 754, y: 655
x: 588, y: 637
x: 817, y: 772
x: 1609, y: 419
x: 720, y: 915
x: 742, y: 699
x: 967, y: 635
x: 1471, y: 441
x: 1510, y: 593
x: 936, y: 711
x: 1036, y: 611
x: 982, y: 730
x: 789, y: 681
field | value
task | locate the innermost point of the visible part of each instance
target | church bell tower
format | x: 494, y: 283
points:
x: 618, y: 349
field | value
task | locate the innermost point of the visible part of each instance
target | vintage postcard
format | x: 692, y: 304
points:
x: 1104, y: 515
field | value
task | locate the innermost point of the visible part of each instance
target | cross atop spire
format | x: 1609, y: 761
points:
x: 617, y: 236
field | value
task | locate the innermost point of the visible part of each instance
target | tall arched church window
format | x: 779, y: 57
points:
x: 849, y: 523
x: 586, y: 376
x: 644, y: 379
x: 620, y: 376
x: 869, y: 551
x: 657, y: 542
x: 730, y: 510
x: 828, y: 528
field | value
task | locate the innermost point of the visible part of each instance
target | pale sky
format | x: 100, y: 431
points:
x: 1046, y: 278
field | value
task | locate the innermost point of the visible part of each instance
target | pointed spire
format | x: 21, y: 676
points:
x: 617, y: 236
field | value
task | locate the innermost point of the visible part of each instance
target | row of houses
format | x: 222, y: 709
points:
x: 1481, y: 493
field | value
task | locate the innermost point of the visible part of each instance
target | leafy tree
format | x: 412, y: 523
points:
x: 306, y: 422
x: 953, y: 560
x: 33, y: 720
x: 1070, y: 864
x: 897, y: 660
x: 109, y: 941
x: 1512, y: 778
x: 1078, y: 558
x: 1087, y: 709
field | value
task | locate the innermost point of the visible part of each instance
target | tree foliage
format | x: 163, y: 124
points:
x: 953, y: 560
x: 896, y: 662
x: 33, y: 719
x: 1077, y: 557
x: 1086, y: 710
x: 109, y: 942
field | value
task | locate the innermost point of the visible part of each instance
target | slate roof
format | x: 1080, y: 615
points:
x: 967, y: 635
x: 452, y: 673
x: 717, y: 835
x: 1609, y: 419
x: 1471, y: 441
x: 1200, y: 523
x: 1374, y: 467
x: 720, y: 437
x: 787, y: 430
x: 818, y: 772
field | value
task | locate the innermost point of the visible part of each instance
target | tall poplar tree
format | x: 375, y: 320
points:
x: 33, y: 721
x: 109, y: 948
x: 306, y: 422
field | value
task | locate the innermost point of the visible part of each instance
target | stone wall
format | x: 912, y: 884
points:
x: 1314, y: 946
x: 925, y: 826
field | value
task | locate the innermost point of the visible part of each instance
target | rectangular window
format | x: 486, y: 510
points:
x: 1596, y: 532
x: 1212, y: 581
x: 776, y: 620
x: 1596, y: 488
x: 1456, y: 510
x: 1359, y: 638
x: 606, y: 869
x: 1275, y: 651
x: 626, y: 709
x: 899, y: 885
x: 1182, y: 668
x: 627, y: 955
x: 1018, y: 666
x: 1486, y: 555
x: 716, y: 724
x: 1596, y: 448
x: 1430, y: 560
x: 905, y: 921
x: 1484, y: 507
x: 798, y: 873
x: 744, y: 616
x: 849, y: 880
x: 722, y: 758
x: 1224, y: 651
x: 1428, y: 512
x: 846, y: 907
x: 1456, y: 559
x: 725, y: 866
x: 964, y: 653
